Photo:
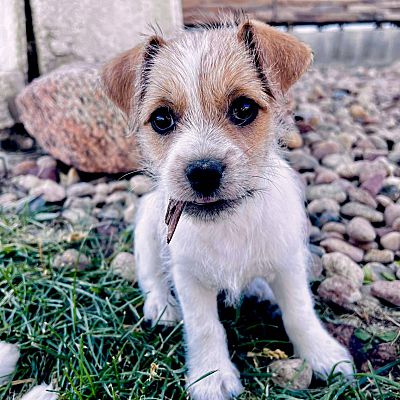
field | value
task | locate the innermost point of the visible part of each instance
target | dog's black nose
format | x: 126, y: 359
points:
x: 205, y: 176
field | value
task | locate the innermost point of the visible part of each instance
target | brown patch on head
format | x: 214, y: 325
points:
x: 119, y: 76
x: 282, y: 54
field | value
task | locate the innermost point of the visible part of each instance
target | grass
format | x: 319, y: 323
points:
x: 83, y: 330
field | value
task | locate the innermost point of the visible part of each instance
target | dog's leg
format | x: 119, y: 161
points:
x: 207, y: 351
x: 159, y: 306
x: 311, y: 341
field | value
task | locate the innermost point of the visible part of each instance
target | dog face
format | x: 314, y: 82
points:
x: 203, y: 105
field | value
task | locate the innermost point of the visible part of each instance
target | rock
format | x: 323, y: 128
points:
x: 109, y: 213
x: 380, y: 256
x: 130, y: 214
x: 72, y: 177
x: 392, y: 212
x: 348, y: 170
x: 320, y: 205
x: 9, y: 358
x: 120, y: 185
x: 374, y: 271
x: 337, y: 245
x: 46, y: 162
x: 354, y: 209
x: 361, y: 196
x: 124, y: 265
x: 361, y: 230
x: 25, y: 167
x: 396, y: 224
x: 141, y: 184
x: 81, y: 189
x: 322, y: 149
x: 71, y: 258
x: 7, y: 199
x: 330, y: 191
x: 391, y: 241
x: 374, y: 183
x: 326, y: 176
x: 359, y: 113
x: 334, y: 227
x: 117, y: 197
x: 334, y: 160
x: 51, y: 191
x: 388, y: 291
x: 102, y: 188
x: 339, y: 290
x: 340, y: 264
x: 27, y: 182
x: 68, y: 114
x: 383, y: 200
x: 294, y: 374
x: 317, y: 250
x: 78, y: 216
x: 301, y: 161
x: 294, y: 140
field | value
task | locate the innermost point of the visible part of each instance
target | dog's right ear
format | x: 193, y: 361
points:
x: 120, y: 76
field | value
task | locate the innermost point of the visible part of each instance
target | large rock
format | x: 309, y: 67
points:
x: 93, y: 31
x: 71, y: 118
x: 13, y: 65
x: 389, y: 291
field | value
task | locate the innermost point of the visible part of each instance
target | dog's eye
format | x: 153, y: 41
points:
x: 243, y: 111
x: 162, y: 120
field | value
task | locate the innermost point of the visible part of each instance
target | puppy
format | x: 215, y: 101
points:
x: 203, y: 107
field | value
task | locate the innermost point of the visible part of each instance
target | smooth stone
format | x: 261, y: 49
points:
x: 340, y: 264
x: 391, y: 241
x: 339, y: 290
x: 334, y: 227
x: 25, y: 167
x: 46, y: 162
x: 322, y: 149
x: 301, y: 161
x: 130, y: 214
x: 117, y: 197
x: 294, y: 140
x: 374, y: 184
x: 333, y: 245
x: 7, y: 199
x: 84, y: 203
x: 141, y: 184
x: 326, y: 176
x: 396, y: 224
x: 334, y: 160
x: 388, y: 291
x: 361, y: 196
x: 320, y: 205
x: 120, y: 185
x: 72, y: 177
x: 124, y: 265
x: 383, y: 200
x: 71, y: 258
x: 295, y: 374
x: 81, y: 189
x: 331, y: 191
x: 348, y: 170
x: 110, y: 213
x: 78, y: 216
x: 361, y: 230
x: 370, y: 169
x: 317, y: 250
x: 102, y: 188
x: 27, y: 182
x: 315, y: 270
x: 354, y: 209
x: 51, y: 191
x: 380, y: 256
x: 392, y: 212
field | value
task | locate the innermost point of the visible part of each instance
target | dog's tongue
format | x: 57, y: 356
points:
x: 174, y: 212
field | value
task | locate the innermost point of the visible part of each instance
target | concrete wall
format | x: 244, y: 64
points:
x: 13, y: 59
x: 95, y: 30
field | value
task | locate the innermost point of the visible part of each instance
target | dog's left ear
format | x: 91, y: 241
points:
x: 282, y: 54
x: 121, y: 75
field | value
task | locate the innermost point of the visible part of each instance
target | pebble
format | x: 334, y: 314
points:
x: 322, y: 149
x: 348, y: 170
x: 46, y: 162
x: 72, y: 177
x: 392, y: 212
x: 361, y: 230
x: 7, y: 199
x: 81, y: 189
x: 320, y: 205
x: 330, y: 191
x: 51, y: 191
x: 25, y: 167
x: 334, y: 160
x: 295, y: 374
x: 102, y: 188
x: 361, y: 196
x: 118, y: 186
x: 294, y: 140
x: 301, y: 161
x: 78, y: 216
x: 27, y: 182
x: 380, y: 256
x: 130, y: 214
x: 334, y: 227
x: 337, y: 245
x: 388, y: 291
x: 391, y: 241
x: 339, y: 290
x: 374, y: 183
x: 340, y: 264
x: 141, y: 184
x: 326, y: 176
x: 354, y: 209
x: 124, y: 265
x: 374, y: 271
x: 71, y: 258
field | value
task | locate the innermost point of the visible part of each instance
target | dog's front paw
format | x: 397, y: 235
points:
x: 330, y: 356
x: 223, y: 384
x: 159, y: 310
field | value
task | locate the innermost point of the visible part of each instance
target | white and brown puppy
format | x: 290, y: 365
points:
x: 203, y: 106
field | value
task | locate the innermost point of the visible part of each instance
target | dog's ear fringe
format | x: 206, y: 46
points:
x: 120, y: 76
x: 284, y: 57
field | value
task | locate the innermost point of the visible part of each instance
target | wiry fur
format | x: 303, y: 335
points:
x: 262, y: 237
